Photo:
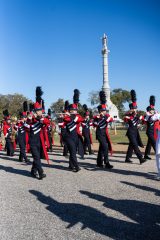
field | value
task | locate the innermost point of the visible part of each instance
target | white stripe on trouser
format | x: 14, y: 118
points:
x: 158, y: 163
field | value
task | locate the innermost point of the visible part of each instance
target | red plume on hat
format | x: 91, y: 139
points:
x: 133, y: 105
x: 38, y: 103
x: 102, y: 97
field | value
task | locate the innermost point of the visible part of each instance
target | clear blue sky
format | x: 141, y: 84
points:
x: 57, y: 44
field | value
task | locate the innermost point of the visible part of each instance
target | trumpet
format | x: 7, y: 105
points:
x: 66, y: 113
x: 60, y: 113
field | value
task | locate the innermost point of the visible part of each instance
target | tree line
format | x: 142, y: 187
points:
x: 14, y: 102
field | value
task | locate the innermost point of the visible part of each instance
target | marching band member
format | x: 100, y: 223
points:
x: 80, y: 148
x: 156, y: 118
x: 49, y: 130
x: 21, y: 129
x: 36, y: 137
x: 7, y: 131
x: 62, y: 128
x: 101, y: 122
x: 70, y: 122
x: 150, y: 127
x: 133, y: 119
x: 86, y: 124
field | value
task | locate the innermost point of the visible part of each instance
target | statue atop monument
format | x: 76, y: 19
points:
x: 106, y: 88
x: 104, y: 43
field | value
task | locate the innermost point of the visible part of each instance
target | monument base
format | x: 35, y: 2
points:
x: 113, y: 110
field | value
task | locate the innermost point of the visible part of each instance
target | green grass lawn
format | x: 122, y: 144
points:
x: 116, y: 139
x: 122, y: 138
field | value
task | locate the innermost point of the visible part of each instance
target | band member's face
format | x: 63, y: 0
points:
x: 152, y: 111
x: 73, y: 111
x: 29, y: 116
x: 39, y: 113
x: 134, y: 111
x: 8, y: 121
x: 103, y: 112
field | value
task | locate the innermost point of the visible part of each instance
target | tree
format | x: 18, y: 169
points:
x: 58, y: 106
x: 94, y: 97
x: 118, y: 96
x: 12, y: 102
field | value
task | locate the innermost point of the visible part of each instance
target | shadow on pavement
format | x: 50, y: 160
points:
x: 146, y: 215
x: 60, y: 167
x: 10, y: 158
x: 123, y: 172
x: 15, y: 171
x: 145, y: 188
x: 91, y: 218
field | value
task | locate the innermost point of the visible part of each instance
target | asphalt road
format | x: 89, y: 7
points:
x: 122, y: 203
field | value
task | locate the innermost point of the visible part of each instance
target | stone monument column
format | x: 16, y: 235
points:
x: 105, y: 51
x: 113, y: 110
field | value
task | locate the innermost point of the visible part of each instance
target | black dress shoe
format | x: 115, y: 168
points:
x: 109, y: 166
x: 20, y: 159
x: 77, y: 169
x: 27, y: 160
x: 34, y: 174
x: 100, y: 165
x: 70, y: 168
x: 142, y: 160
x: 41, y: 176
x: 90, y: 153
x: 65, y: 154
x: 147, y: 157
x: 128, y: 161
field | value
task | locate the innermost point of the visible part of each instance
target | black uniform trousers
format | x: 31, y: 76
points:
x: 80, y: 146
x: 50, y: 141
x: 87, y: 141
x: 65, y: 148
x: 71, y: 140
x: 103, y: 148
x: 9, y: 147
x: 22, y: 146
x: 36, y: 166
x: 151, y: 143
x: 133, y: 146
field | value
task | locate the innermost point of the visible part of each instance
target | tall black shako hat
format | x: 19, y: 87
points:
x: 86, y: 111
x: 25, y: 109
x: 152, y: 101
x: 6, y: 115
x: 49, y: 113
x: 66, y: 106
x: 31, y: 108
x: 133, y: 104
x: 38, y: 103
x: 74, y: 106
x: 43, y: 107
x: 102, y: 97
